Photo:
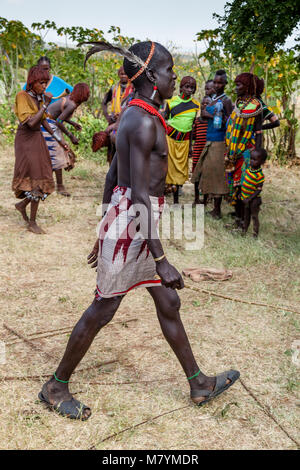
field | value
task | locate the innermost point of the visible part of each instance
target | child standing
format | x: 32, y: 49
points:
x: 252, y: 184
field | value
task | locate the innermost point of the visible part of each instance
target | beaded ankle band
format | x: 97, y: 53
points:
x: 193, y: 376
x: 62, y: 381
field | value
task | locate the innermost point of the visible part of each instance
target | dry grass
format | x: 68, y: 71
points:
x: 47, y: 285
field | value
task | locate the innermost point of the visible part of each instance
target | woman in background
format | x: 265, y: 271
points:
x: 59, y: 159
x: 33, y: 180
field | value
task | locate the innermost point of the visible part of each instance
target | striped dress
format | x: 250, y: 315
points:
x: 200, y: 140
x: 252, y: 180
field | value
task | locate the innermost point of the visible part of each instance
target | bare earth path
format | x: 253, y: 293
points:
x: 139, y: 396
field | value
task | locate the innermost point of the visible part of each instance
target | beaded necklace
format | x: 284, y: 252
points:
x: 150, y: 109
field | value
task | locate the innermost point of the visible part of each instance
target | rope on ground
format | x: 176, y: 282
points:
x: 27, y: 341
x: 268, y: 413
x: 140, y: 424
x: 37, y: 377
x: 234, y: 299
x: 59, y: 331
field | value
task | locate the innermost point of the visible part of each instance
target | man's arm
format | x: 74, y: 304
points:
x: 111, y: 181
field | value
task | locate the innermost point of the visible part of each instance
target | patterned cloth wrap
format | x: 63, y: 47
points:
x: 59, y: 157
x: 124, y: 260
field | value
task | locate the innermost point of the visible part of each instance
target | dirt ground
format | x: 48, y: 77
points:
x: 130, y: 378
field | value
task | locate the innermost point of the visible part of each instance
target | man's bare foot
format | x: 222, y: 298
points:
x: 62, y: 190
x: 20, y: 207
x: 56, y: 393
x: 34, y: 228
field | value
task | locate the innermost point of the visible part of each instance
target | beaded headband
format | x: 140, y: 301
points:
x: 143, y: 68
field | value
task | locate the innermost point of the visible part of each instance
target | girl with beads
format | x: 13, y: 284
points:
x: 181, y: 112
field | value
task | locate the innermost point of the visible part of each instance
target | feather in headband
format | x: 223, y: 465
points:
x: 100, y: 46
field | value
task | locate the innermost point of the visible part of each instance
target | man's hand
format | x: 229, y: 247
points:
x: 93, y: 256
x: 169, y: 275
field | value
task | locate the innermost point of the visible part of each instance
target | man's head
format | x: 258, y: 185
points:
x: 122, y: 75
x: 159, y: 70
x: 258, y: 158
x: 209, y: 88
x: 44, y: 63
x: 37, y: 80
x: 80, y: 93
x: 188, y: 86
x: 248, y: 84
x: 220, y: 81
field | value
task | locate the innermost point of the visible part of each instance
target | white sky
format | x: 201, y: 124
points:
x: 158, y: 20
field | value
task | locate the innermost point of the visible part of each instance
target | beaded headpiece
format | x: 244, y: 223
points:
x: 147, y: 61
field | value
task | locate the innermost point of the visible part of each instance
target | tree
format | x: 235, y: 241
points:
x: 250, y: 24
x: 250, y: 37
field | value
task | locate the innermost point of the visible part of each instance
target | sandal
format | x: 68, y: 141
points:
x: 72, y: 409
x: 220, y: 387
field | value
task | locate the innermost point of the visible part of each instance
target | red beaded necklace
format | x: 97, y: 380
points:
x: 150, y: 109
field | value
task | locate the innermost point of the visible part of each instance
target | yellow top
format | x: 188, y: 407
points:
x: 25, y: 107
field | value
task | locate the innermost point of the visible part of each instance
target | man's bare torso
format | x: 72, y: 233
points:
x: 135, y: 118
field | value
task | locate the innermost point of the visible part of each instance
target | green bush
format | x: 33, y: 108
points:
x: 8, y: 124
x: 90, y: 125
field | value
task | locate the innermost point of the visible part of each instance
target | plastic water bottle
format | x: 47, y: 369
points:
x: 218, y: 115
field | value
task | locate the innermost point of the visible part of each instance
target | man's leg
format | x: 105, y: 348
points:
x: 59, y: 182
x: 99, y: 313
x: 167, y: 304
